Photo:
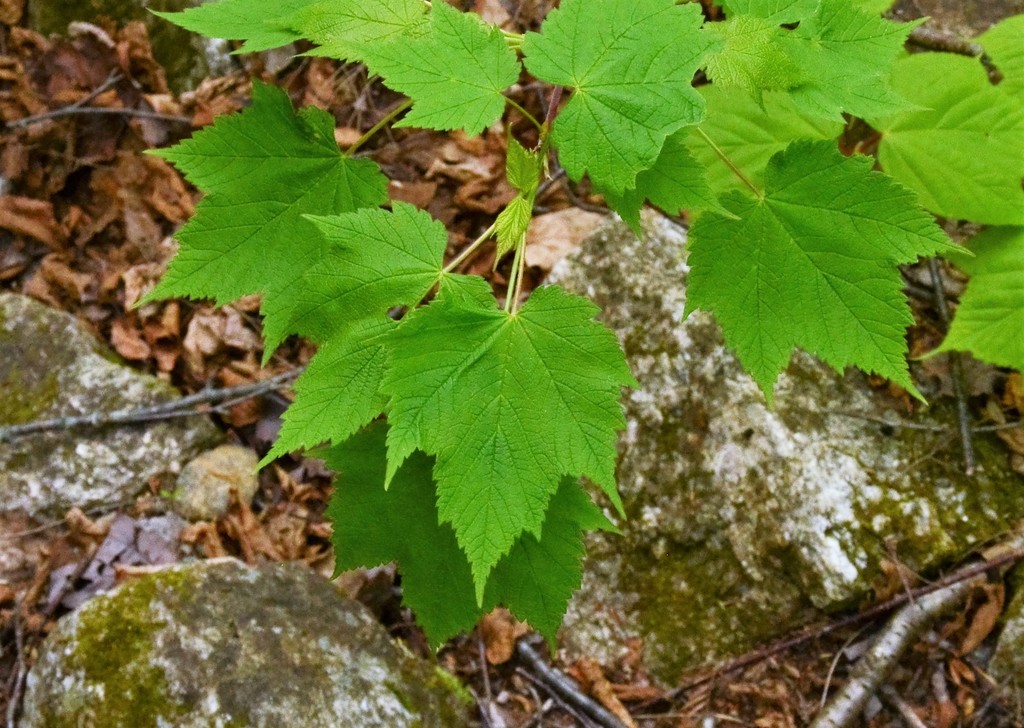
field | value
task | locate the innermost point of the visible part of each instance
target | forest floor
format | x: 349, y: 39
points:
x: 86, y: 223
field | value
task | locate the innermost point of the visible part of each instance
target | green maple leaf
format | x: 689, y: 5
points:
x: 965, y: 124
x: 262, y: 24
x: 990, y: 318
x: 375, y: 260
x: 847, y: 56
x: 374, y: 526
x: 631, y: 65
x: 777, y: 11
x: 339, y: 392
x: 509, y: 404
x: 751, y: 56
x: 750, y: 133
x: 345, y: 28
x: 677, y: 181
x: 812, y: 263
x: 263, y: 170
x: 1002, y: 42
x: 455, y: 73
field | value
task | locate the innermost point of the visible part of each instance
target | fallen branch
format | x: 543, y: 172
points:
x: 902, y: 632
x: 565, y: 687
x: 97, y: 111
x: 936, y: 40
x: 1013, y: 555
x: 956, y: 374
x: 181, y: 407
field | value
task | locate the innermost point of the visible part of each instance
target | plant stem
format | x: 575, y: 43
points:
x: 388, y: 118
x: 553, y: 102
x: 516, y: 279
x: 471, y: 248
x: 526, y: 114
x: 732, y: 165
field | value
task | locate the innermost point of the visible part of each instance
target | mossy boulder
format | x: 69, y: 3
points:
x: 746, y: 521
x: 51, y: 367
x: 218, y: 643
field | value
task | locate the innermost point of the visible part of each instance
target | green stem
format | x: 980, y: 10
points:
x: 526, y: 114
x: 388, y: 118
x: 732, y: 165
x: 471, y: 249
x: 516, y: 282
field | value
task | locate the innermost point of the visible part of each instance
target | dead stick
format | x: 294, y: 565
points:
x: 963, y: 415
x: 819, y: 631
x: 899, y: 635
x: 96, y: 110
x: 182, y: 407
x: 566, y: 687
x: 936, y: 40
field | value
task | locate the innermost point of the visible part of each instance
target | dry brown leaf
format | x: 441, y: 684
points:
x: 128, y: 341
x: 597, y: 685
x: 11, y: 11
x: 985, y: 617
x: 420, y: 194
x: 553, y: 236
x: 31, y: 218
x: 243, y: 526
x: 499, y: 631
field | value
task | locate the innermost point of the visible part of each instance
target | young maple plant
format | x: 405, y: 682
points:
x: 493, y: 411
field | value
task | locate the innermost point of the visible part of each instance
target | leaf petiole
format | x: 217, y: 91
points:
x: 388, y: 118
x: 518, y: 266
x: 732, y: 165
x: 470, y: 249
x: 526, y: 114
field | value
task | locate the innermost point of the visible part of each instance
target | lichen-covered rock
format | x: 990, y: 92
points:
x: 205, y: 483
x: 964, y: 18
x: 218, y: 643
x: 745, y: 521
x: 51, y: 367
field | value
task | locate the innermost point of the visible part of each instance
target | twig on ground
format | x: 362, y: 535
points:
x: 564, y: 687
x: 894, y: 699
x: 97, y: 111
x: 903, y: 630
x: 14, y: 694
x: 900, y: 634
x: 956, y: 373
x: 1015, y: 554
x: 559, y: 701
x: 182, y: 407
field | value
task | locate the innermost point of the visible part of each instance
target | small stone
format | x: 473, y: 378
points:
x: 218, y: 643
x: 51, y: 367
x: 205, y: 483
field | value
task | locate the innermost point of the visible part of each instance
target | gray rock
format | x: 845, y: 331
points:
x: 746, y: 521
x: 218, y: 643
x: 205, y: 483
x: 965, y: 18
x: 50, y: 367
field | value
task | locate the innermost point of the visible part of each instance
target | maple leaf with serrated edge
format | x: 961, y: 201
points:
x: 262, y: 171
x: 375, y: 260
x: 344, y: 28
x: 965, y: 124
x: 751, y: 56
x: 990, y: 319
x: 677, y: 181
x: 847, y: 56
x: 508, y: 403
x: 778, y: 11
x: 455, y: 74
x: 262, y: 24
x: 374, y: 526
x: 631, y: 65
x: 339, y: 392
x: 813, y: 264
x: 749, y: 133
